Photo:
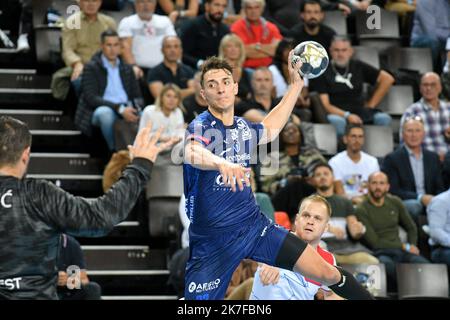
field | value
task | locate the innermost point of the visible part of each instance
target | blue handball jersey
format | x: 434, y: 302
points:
x: 210, y: 205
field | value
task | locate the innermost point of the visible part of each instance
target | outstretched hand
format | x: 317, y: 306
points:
x: 233, y: 174
x: 294, y: 69
x: 145, y: 145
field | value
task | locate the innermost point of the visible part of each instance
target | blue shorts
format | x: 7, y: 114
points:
x: 214, y: 257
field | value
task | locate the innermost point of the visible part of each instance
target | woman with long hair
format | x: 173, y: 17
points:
x: 167, y: 112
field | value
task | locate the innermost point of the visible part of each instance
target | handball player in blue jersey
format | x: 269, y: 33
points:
x: 226, y: 223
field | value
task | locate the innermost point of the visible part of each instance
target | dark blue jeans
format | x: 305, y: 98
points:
x: 441, y: 255
x: 390, y: 257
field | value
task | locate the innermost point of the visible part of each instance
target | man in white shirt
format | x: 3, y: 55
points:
x: 352, y: 167
x: 142, y: 35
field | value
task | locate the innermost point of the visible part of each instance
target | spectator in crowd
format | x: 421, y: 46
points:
x: 382, y: 215
x: 280, y: 76
x: 284, y: 13
x: 341, y: 88
x: 201, y: 36
x: 142, y: 33
x: 232, y: 50
x: 291, y: 162
x: 194, y: 104
x: 352, y: 166
x: 171, y: 70
x: 431, y: 28
x: 405, y: 10
x: 311, y: 27
x: 260, y: 36
x: 79, y: 44
x: 109, y: 91
x: 344, y: 229
x: 167, y: 113
x: 74, y: 284
x: 262, y: 101
x: 311, y: 222
x: 26, y: 26
x: 414, y: 172
x: 178, y: 10
x: 435, y: 114
x: 438, y: 213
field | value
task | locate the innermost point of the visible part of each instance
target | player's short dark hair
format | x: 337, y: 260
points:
x: 14, y: 139
x: 108, y: 33
x: 304, y: 3
x: 351, y: 126
x: 214, y: 63
x: 320, y: 165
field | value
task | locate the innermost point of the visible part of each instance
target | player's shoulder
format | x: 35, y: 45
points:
x: 327, y: 255
x: 203, y: 120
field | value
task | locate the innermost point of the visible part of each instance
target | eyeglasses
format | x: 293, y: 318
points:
x: 413, y: 118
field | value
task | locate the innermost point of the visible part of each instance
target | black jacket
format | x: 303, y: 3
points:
x: 401, y: 178
x: 93, y: 86
x: 33, y: 214
x: 201, y: 39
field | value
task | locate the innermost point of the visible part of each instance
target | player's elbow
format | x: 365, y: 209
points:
x: 330, y: 275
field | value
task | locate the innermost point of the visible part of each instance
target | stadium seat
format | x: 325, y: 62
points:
x: 336, y: 21
x: 371, y: 276
x: 326, y: 138
x: 418, y: 59
x: 379, y: 140
x: 48, y: 45
x: 422, y: 281
x: 163, y: 194
x: 397, y: 100
x: 319, y: 112
x: 368, y: 55
x: 388, y: 35
x: 389, y: 27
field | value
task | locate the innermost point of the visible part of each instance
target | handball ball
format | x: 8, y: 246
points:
x: 314, y: 59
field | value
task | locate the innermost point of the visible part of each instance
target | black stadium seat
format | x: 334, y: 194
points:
x: 367, y: 55
x: 422, y: 281
x: 336, y: 21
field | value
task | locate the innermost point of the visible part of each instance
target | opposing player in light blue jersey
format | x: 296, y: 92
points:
x: 226, y: 223
x: 311, y: 222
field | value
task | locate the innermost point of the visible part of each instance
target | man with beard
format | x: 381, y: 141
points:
x: 352, y: 166
x: 312, y: 28
x: 382, y: 215
x: 201, y: 36
x: 341, y: 88
x: 344, y: 229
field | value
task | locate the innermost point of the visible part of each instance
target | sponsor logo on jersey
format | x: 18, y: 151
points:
x: 203, y: 287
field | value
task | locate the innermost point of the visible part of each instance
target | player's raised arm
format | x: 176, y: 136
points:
x: 277, y: 118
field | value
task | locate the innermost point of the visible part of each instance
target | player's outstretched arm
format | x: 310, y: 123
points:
x: 277, y: 118
x: 233, y: 174
x: 313, y: 266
